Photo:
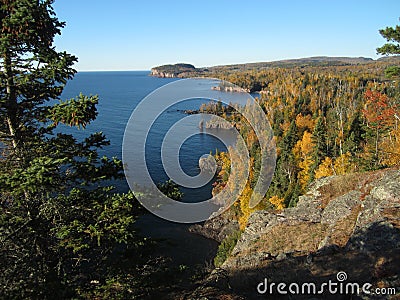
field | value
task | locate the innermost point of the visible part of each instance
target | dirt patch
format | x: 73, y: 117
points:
x: 341, y: 185
x: 344, y: 228
x: 393, y: 216
x: 289, y: 238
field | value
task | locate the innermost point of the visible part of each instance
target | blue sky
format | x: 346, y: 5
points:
x: 137, y: 35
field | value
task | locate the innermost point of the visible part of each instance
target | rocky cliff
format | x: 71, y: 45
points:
x: 218, y: 123
x: 176, y: 70
x: 347, y: 224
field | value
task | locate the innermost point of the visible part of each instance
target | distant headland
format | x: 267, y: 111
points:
x: 183, y: 70
x: 176, y: 70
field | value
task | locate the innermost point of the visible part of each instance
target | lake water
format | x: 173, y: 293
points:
x: 119, y: 93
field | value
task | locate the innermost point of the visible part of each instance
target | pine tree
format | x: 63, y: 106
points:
x: 59, y: 220
x: 286, y: 169
x: 354, y: 136
x: 392, y: 35
x: 320, y: 146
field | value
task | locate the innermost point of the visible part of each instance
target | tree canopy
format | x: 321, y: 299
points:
x: 59, y: 219
x: 392, y: 47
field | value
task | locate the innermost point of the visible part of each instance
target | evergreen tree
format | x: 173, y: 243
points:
x: 392, y: 35
x: 320, y: 146
x: 289, y: 141
x: 286, y: 169
x: 354, y: 135
x: 292, y: 195
x: 59, y: 221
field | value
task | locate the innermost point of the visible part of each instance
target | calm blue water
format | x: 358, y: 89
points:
x: 119, y: 93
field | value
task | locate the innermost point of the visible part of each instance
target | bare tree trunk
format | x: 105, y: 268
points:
x: 12, y: 112
x: 341, y: 129
x: 376, y: 144
x: 11, y: 104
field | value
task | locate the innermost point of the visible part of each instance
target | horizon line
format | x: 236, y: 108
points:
x: 88, y: 71
x: 240, y: 63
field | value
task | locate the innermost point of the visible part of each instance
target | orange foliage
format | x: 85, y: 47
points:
x: 377, y: 110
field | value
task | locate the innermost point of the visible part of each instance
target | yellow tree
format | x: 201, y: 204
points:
x: 224, y: 164
x: 304, y: 122
x: 243, y: 203
x: 339, y: 166
x: 277, y: 202
x: 391, y: 148
x: 343, y: 165
x: 325, y: 168
x: 303, y: 153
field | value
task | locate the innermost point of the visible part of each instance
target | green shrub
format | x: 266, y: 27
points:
x: 226, y: 247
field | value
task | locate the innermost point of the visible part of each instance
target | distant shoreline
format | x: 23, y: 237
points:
x: 183, y: 70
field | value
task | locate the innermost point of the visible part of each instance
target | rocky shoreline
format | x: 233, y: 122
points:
x: 230, y: 89
x: 347, y: 223
x: 217, y: 228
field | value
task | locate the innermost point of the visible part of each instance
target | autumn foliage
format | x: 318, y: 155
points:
x: 326, y: 121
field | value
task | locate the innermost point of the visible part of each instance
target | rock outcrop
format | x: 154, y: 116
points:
x: 217, y: 228
x: 208, y: 164
x: 218, y: 123
x: 230, y: 89
x: 345, y: 224
x: 161, y: 74
x: 177, y: 70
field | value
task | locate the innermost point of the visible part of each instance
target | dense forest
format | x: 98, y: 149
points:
x: 326, y: 121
